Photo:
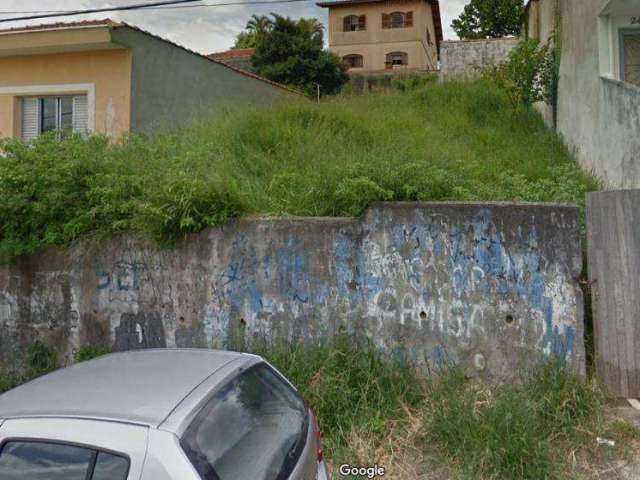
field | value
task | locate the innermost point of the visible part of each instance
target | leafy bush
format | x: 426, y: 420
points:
x: 521, y: 76
x: 9, y: 380
x: 354, y: 194
x: 41, y: 359
x: 89, y: 352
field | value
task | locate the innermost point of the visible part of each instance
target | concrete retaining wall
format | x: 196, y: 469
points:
x: 463, y: 60
x: 488, y: 285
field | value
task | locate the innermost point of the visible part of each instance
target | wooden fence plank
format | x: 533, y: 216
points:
x: 613, y: 242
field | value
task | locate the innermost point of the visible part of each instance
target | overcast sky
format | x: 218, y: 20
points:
x: 202, y: 29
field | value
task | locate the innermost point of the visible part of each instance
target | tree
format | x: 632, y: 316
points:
x: 256, y: 26
x: 292, y: 52
x: 490, y: 18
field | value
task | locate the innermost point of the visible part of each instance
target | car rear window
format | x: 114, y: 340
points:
x: 33, y: 460
x: 254, y: 428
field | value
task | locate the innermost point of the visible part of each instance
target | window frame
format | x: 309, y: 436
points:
x: 59, y: 112
x: 404, y: 20
x: 93, y: 449
x: 407, y: 19
x: 88, y: 89
x: 391, y: 65
x: 622, y: 33
x: 357, y: 21
x: 354, y: 55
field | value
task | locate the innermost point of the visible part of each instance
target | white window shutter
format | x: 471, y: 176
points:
x: 30, y: 118
x: 80, y: 114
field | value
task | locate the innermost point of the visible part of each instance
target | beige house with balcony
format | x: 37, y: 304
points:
x: 385, y: 35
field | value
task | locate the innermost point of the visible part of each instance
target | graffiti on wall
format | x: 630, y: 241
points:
x: 475, y: 284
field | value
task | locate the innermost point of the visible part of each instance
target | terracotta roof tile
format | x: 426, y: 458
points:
x: 233, y: 53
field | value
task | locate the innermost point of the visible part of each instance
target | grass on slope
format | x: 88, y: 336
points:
x: 434, y: 142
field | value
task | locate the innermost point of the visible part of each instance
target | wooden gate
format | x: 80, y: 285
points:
x: 613, y: 239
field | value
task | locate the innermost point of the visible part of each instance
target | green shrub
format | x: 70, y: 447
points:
x: 354, y: 194
x: 185, y: 205
x: 448, y: 141
x: 9, y: 380
x: 41, y: 359
x: 521, y: 76
x: 89, y: 352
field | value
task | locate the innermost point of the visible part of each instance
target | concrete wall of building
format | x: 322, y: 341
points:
x: 171, y: 87
x: 463, y: 60
x: 108, y: 70
x: 419, y: 41
x: 492, y: 286
x: 598, y: 115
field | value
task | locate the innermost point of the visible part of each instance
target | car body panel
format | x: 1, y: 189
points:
x: 126, y: 439
x: 307, y: 467
x: 137, y: 387
x: 166, y: 460
x: 184, y: 413
x: 138, y: 404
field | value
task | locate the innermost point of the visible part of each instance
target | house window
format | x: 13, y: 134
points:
x: 630, y: 56
x: 396, y: 59
x: 397, y: 20
x: 45, y: 114
x: 353, y: 23
x: 353, y: 61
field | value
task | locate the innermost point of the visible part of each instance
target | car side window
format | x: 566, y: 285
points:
x: 37, y: 460
x: 110, y: 467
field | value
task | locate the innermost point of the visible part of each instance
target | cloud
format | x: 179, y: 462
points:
x: 202, y: 29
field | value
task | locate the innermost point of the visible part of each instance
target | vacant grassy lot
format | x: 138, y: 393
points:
x: 427, y: 142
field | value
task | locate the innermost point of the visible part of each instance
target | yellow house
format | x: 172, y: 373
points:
x: 385, y: 35
x: 112, y: 78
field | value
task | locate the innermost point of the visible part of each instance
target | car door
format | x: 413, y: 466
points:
x: 109, y: 450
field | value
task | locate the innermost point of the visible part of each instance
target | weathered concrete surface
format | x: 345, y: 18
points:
x: 614, y: 271
x: 463, y: 60
x: 488, y: 285
x: 598, y: 116
x: 173, y: 87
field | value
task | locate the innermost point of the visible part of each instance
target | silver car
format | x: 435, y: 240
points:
x: 160, y: 415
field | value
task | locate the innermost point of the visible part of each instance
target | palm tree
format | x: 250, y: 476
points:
x: 259, y: 24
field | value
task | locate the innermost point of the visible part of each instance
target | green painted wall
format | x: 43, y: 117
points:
x: 171, y: 87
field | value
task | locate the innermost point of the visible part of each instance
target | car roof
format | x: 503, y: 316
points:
x: 141, y: 387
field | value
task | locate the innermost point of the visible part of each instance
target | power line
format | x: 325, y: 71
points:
x: 163, y: 5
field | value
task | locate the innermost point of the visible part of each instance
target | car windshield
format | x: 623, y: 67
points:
x: 255, y: 427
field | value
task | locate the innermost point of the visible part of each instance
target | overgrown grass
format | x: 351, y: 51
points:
x: 351, y: 387
x: 515, y: 432
x: 421, y: 142
x: 374, y: 409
